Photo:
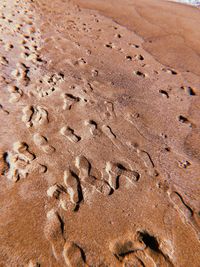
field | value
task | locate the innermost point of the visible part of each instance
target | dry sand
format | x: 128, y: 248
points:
x: 99, y: 154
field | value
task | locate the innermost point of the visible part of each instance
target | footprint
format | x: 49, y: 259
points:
x: 69, y: 133
x: 129, y: 58
x: 42, y: 143
x: 146, y: 158
x: 73, y: 255
x: 3, y: 61
x: 153, y: 250
x: 55, y: 191
x: 34, y: 116
x: 51, y: 82
x: 170, y: 71
x: 84, y: 167
x: 4, y: 165
x: 164, y: 93
x: 139, y: 73
x: 121, y: 247
x: 93, y: 127
x: 183, y: 119
x: 21, y: 74
x: 15, y: 94
x: 142, y: 249
x: 53, y: 231
x: 110, y: 111
x: 33, y: 264
x: 185, y: 211
x: 139, y: 57
x: 184, y: 164
x: 4, y: 110
x: 108, y: 132
x: 189, y: 90
x: 114, y: 172
x: 20, y: 162
x: 23, y: 151
x: 69, y: 101
x: 73, y: 186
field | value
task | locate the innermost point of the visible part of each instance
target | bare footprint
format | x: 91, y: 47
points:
x: 42, y: 143
x: 69, y: 133
x: 73, y: 255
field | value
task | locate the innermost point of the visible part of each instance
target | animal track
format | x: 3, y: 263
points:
x: 42, y: 142
x: 69, y: 133
x: 34, y: 116
x: 114, y: 172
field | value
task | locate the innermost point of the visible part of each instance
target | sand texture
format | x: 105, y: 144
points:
x: 100, y: 133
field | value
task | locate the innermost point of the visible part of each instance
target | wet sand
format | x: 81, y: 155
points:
x: 99, y: 155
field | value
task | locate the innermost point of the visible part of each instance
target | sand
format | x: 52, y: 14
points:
x: 99, y: 154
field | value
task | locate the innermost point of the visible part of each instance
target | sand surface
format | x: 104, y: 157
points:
x: 100, y: 132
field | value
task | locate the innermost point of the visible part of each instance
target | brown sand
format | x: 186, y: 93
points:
x: 99, y: 154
